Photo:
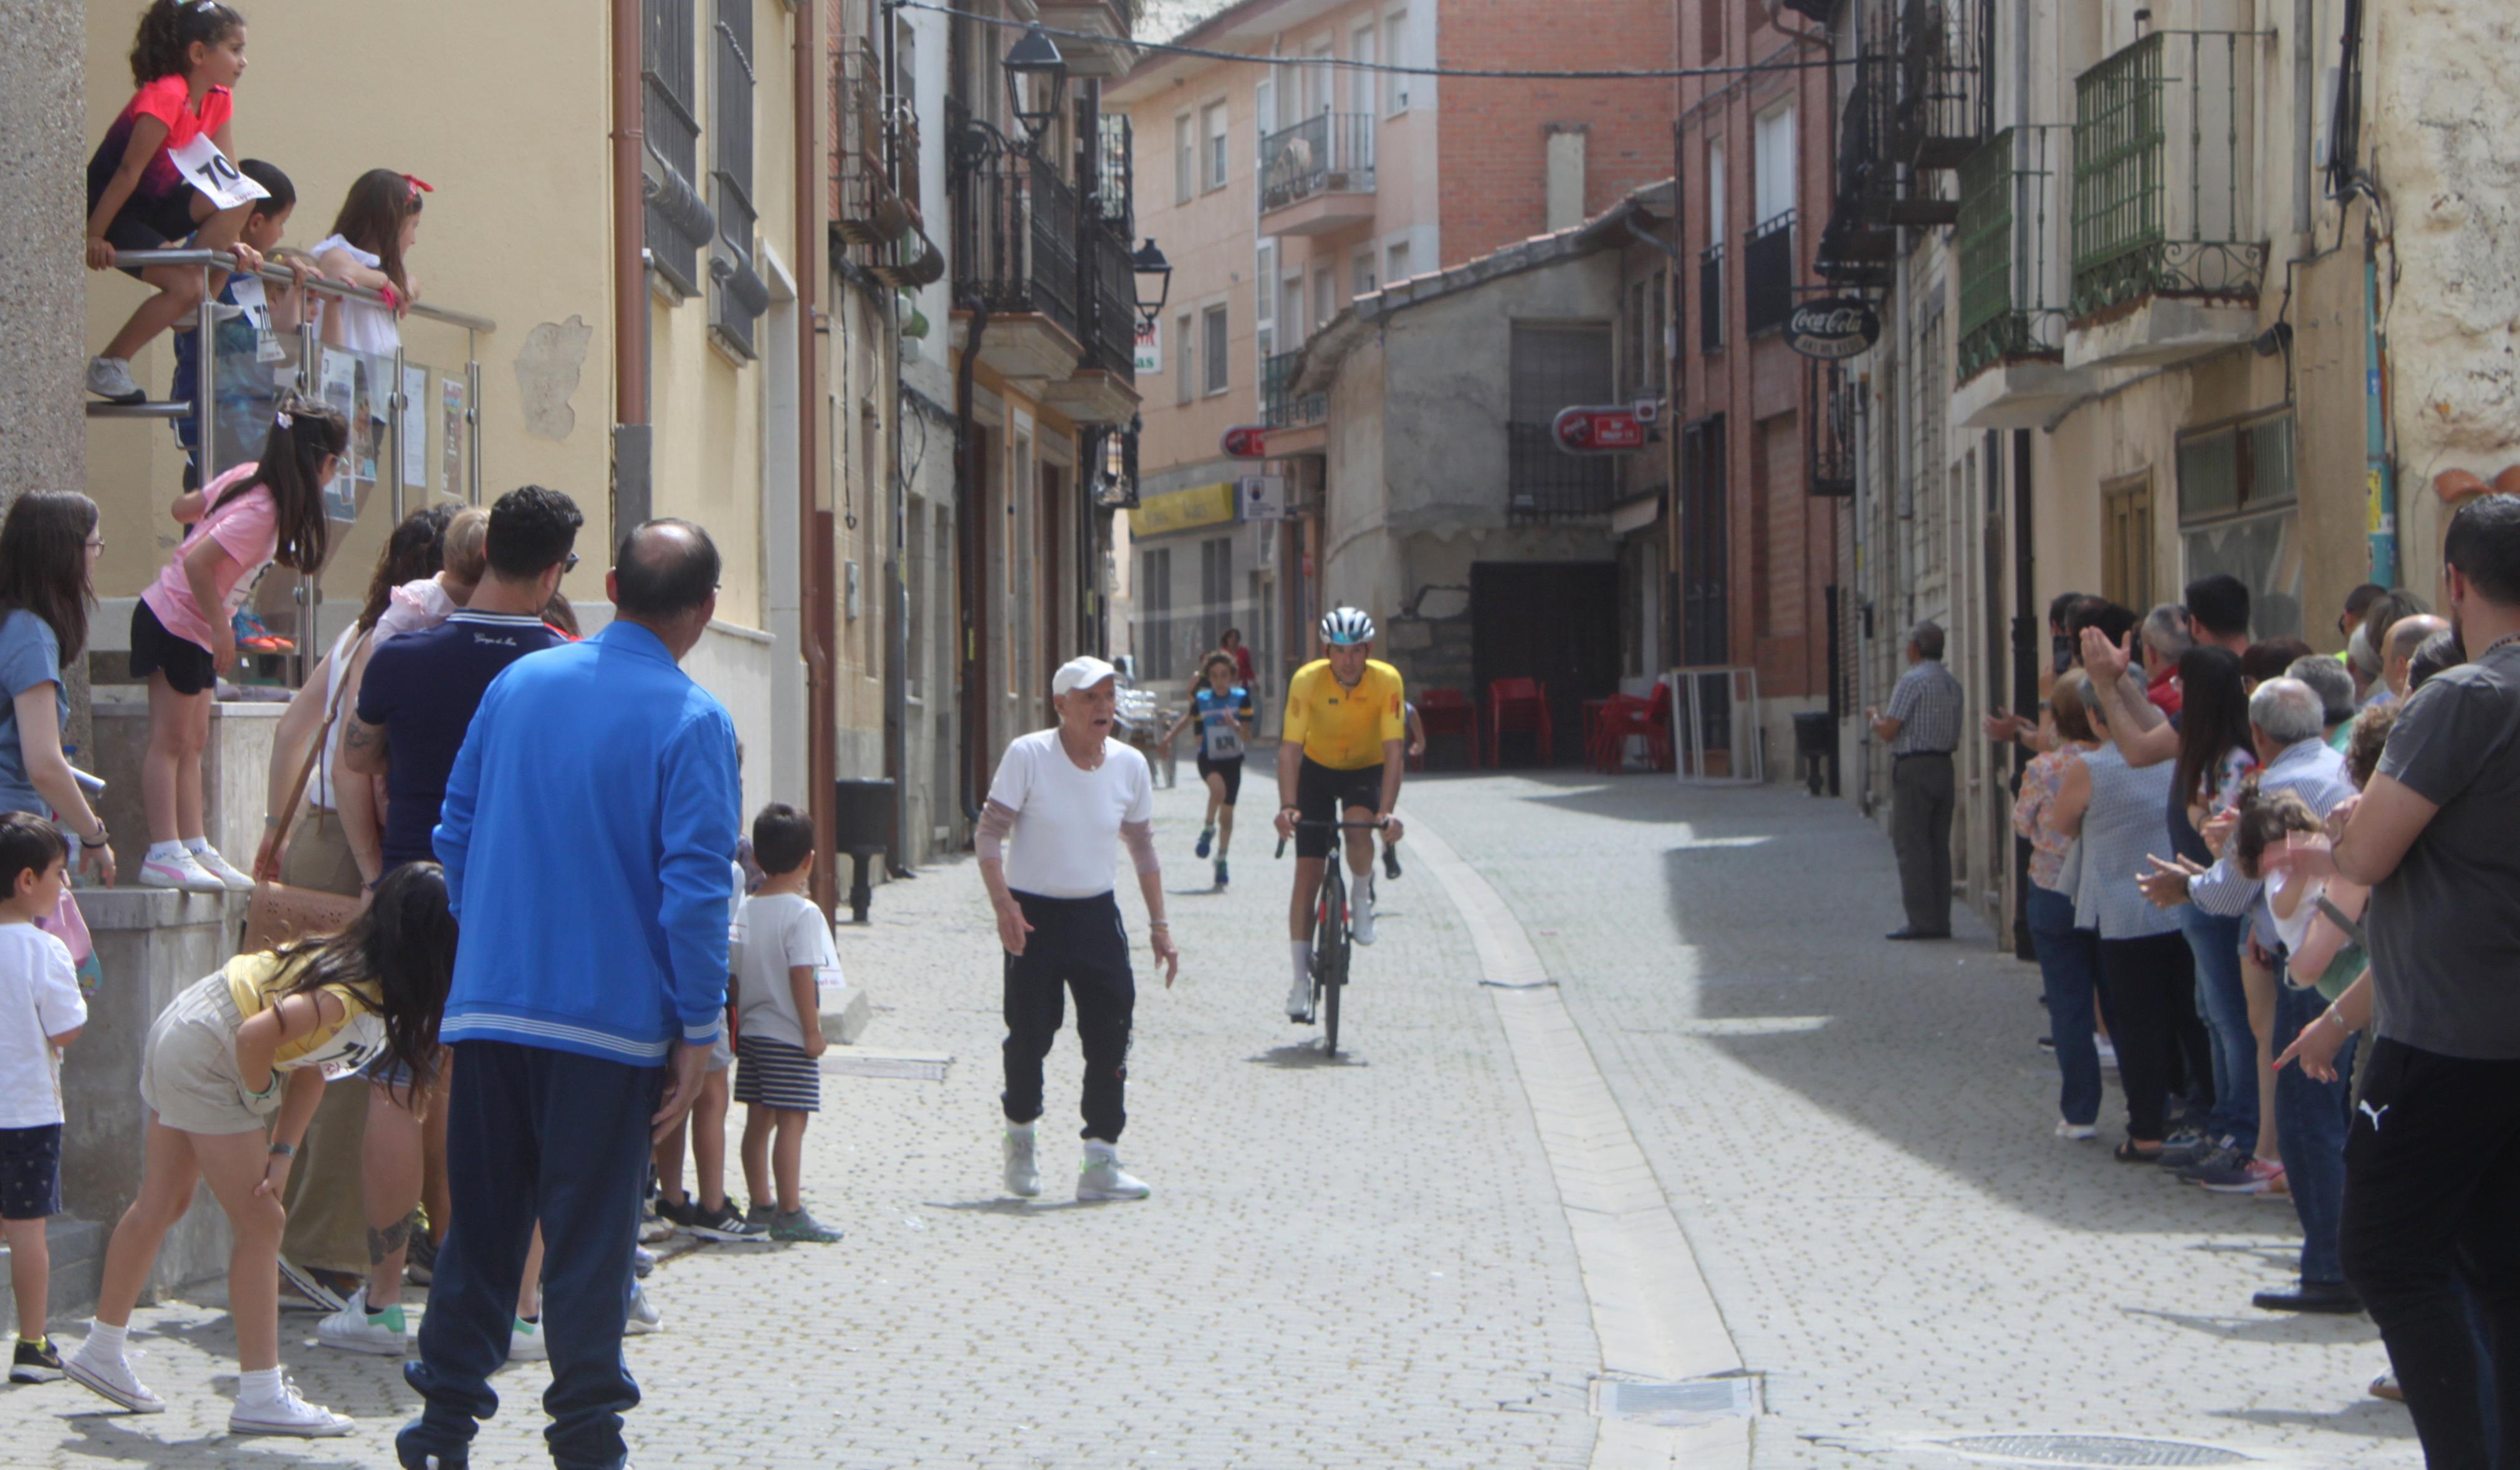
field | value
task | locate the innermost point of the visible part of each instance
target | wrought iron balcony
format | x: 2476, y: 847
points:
x: 1281, y: 407
x: 1768, y: 274
x: 2165, y: 177
x: 1110, y: 300
x: 1544, y: 482
x: 1860, y: 241
x: 866, y: 207
x: 1946, y: 92
x: 1114, y: 172
x: 2012, y: 289
x: 1326, y: 153
x: 1014, y: 238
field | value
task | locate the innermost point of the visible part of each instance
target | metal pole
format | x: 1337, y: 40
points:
x: 472, y: 425
x: 400, y: 407
x: 205, y: 394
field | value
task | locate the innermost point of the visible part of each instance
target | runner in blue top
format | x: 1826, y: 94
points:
x: 1223, y: 712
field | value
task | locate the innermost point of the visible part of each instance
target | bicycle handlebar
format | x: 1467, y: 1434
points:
x: 1362, y: 826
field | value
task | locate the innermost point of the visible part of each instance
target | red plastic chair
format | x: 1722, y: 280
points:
x: 1629, y: 718
x: 1519, y: 706
x: 1448, y: 712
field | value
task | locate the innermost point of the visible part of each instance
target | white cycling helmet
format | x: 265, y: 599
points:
x: 1346, y: 625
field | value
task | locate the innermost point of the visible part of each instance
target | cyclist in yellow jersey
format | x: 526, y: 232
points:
x: 1341, y: 755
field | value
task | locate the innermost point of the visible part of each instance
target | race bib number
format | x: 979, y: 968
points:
x: 256, y: 306
x: 1223, y: 745
x: 209, y: 171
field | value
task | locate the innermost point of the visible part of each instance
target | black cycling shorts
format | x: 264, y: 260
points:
x: 1231, y: 769
x: 1322, y: 795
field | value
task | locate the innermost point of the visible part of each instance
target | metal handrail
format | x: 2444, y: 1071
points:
x: 225, y: 260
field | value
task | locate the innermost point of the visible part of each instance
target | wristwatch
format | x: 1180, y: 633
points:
x: 279, y: 1150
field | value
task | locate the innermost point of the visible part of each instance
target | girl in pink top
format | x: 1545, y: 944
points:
x: 181, y: 637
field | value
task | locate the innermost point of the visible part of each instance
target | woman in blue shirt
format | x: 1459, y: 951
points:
x: 1223, y: 712
x: 48, y: 550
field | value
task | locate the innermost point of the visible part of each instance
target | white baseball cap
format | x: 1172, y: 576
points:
x: 1081, y: 672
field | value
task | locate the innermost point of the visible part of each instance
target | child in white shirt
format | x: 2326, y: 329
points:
x: 40, y: 1013
x: 783, y: 953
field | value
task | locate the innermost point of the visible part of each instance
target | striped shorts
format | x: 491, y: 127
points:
x: 774, y: 1074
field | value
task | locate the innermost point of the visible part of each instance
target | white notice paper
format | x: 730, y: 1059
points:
x: 411, y: 426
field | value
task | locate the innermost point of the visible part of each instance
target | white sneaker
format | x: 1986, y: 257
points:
x: 525, y: 1343
x: 1360, y: 916
x: 1023, y: 1175
x: 1299, y: 1000
x: 2108, y: 1051
x: 288, y: 1414
x: 352, y: 1330
x: 644, y: 1316
x: 2077, y: 1131
x: 222, y: 869
x: 110, y: 378
x: 114, y: 1380
x: 1101, y: 1176
x: 180, y: 872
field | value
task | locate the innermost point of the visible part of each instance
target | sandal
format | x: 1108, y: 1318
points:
x: 2128, y: 1153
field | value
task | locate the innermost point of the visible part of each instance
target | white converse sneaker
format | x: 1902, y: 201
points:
x: 286, y: 1413
x: 1101, y: 1176
x: 352, y: 1330
x: 113, y: 1379
x: 1360, y: 916
x: 1023, y: 1175
x: 110, y: 378
x: 180, y: 872
x: 525, y: 1343
x: 224, y: 870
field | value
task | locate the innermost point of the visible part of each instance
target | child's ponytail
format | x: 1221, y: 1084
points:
x: 304, y: 433
x: 168, y: 31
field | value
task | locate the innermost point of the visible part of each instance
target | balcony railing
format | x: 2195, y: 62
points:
x: 1115, y: 173
x: 1327, y: 153
x: 866, y: 207
x: 1281, y: 407
x: 1544, y: 482
x: 2164, y: 173
x: 1945, y: 94
x: 1112, y: 301
x: 1768, y: 274
x: 1830, y: 449
x: 1014, y: 238
x: 1860, y: 241
x: 2012, y: 290
x: 1710, y: 297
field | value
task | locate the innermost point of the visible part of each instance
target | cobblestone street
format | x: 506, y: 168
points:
x: 1368, y: 1262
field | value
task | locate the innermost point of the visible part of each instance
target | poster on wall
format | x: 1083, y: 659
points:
x: 411, y: 425
x: 1151, y: 347
x: 451, y: 437
x: 339, y: 388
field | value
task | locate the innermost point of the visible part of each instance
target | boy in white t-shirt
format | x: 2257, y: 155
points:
x: 783, y: 954
x: 40, y: 1013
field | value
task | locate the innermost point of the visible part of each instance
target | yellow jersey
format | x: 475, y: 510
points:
x: 1344, y: 728
x: 257, y: 983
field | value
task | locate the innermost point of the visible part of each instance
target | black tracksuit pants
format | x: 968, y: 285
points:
x: 1076, y: 944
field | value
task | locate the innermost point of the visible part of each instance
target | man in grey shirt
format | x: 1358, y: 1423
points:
x: 1924, y: 727
x: 2433, y: 1161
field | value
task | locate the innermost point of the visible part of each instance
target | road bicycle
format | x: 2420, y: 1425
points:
x: 1332, y: 943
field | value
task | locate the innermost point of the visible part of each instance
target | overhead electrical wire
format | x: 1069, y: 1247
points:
x: 1345, y: 63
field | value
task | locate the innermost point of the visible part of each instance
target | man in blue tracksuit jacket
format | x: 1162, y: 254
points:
x: 588, y: 836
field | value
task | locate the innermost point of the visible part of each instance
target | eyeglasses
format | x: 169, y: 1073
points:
x: 569, y: 565
x: 96, y: 543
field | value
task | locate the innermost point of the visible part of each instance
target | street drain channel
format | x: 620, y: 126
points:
x: 1690, y: 1401
x: 2091, y: 1449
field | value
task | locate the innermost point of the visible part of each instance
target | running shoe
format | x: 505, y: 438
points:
x: 286, y: 1413
x: 642, y: 1260
x: 222, y: 869
x: 679, y: 1213
x: 356, y: 1329
x: 1220, y: 873
x: 1101, y: 1176
x: 1299, y: 1002
x: 758, y: 1215
x: 725, y: 1223
x: 2108, y: 1051
x: 1206, y: 839
x: 1360, y: 917
x: 1391, y: 863
x: 312, y: 1290
x: 180, y: 872
x: 36, y: 1362
x: 801, y: 1228
x: 420, y: 1259
x: 2248, y: 1177
x: 644, y: 1316
x: 109, y: 378
x: 2078, y: 1132
x: 2183, y: 1147
x: 525, y: 1343
x: 2385, y: 1387
x: 1023, y: 1172
x: 113, y: 1379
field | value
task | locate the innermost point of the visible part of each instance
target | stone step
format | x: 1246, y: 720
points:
x: 77, y: 1249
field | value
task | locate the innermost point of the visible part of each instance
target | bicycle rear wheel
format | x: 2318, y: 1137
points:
x: 1330, y: 953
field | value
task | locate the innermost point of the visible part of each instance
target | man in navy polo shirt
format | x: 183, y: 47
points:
x: 414, y: 706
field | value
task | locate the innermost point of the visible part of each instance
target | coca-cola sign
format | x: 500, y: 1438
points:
x: 1834, y: 326
x: 1611, y: 429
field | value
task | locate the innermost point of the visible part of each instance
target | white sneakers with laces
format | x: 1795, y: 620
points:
x: 109, y: 378
x: 352, y: 1330
x: 222, y: 869
x: 286, y: 1413
x: 525, y: 1343
x: 112, y: 1378
x: 1023, y: 1173
x: 646, y: 1316
x: 1101, y: 1176
x: 180, y: 869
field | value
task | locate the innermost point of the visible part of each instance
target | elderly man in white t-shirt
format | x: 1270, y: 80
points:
x: 1065, y: 794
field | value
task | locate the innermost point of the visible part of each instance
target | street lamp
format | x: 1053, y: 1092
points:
x: 1150, y: 261
x: 1034, y: 67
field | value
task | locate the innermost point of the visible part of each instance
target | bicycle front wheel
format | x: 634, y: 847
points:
x: 1330, y: 953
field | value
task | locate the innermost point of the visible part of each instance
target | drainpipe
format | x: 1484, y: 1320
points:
x: 968, y: 550
x: 813, y: 523
x: 896, y: 643
x: 630, y: 433
x: 2380, y: 477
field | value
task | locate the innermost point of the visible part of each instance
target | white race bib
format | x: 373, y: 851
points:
x: 209, y: 171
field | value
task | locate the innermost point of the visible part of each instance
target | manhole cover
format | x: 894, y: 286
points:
x: 2093, y: 1450
x: 1698, y: 1397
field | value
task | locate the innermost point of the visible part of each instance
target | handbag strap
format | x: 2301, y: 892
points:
x: 2352, y: 930
x: 315, y: 751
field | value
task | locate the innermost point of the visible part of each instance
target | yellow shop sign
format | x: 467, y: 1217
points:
x: 1182, y: 509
